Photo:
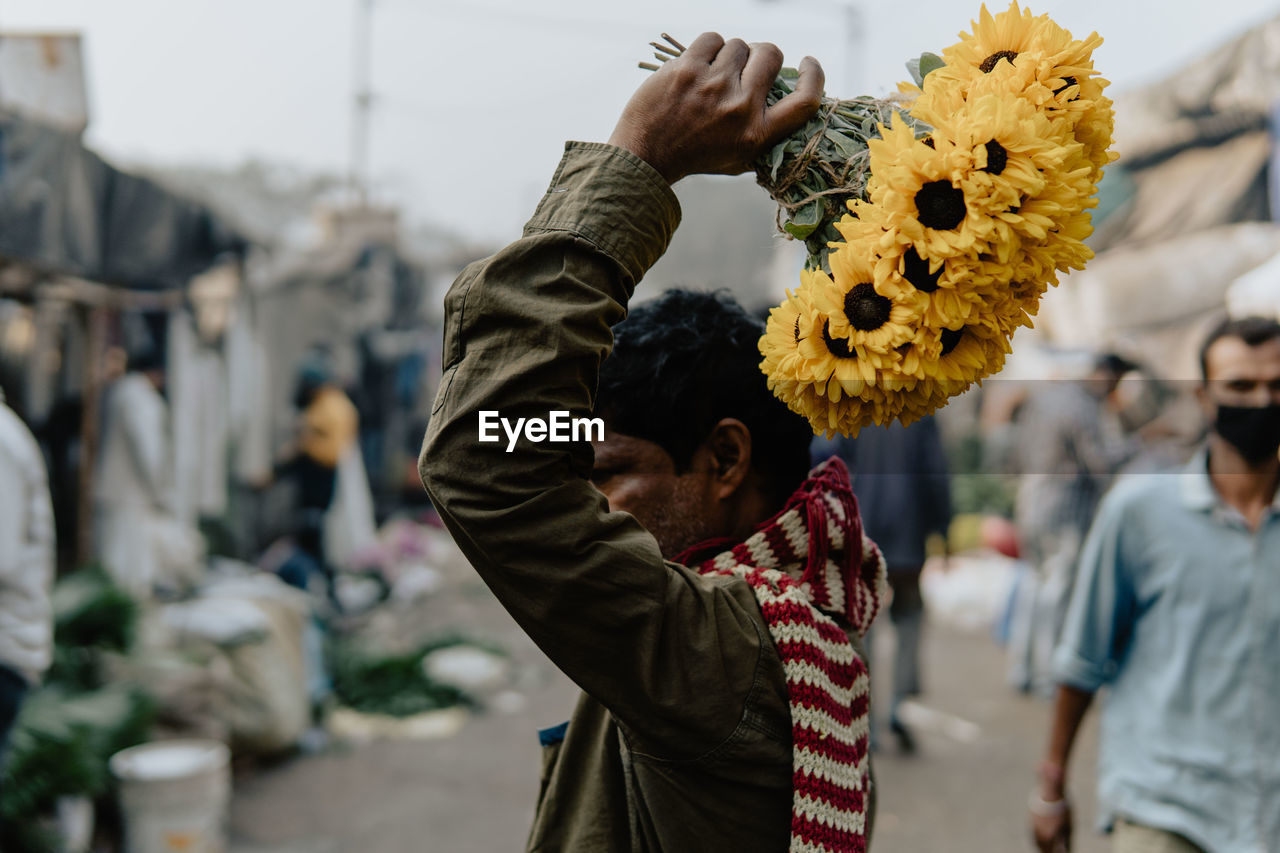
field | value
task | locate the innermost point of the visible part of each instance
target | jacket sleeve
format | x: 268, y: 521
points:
x: 671, y: 654
x: 1103, y: 604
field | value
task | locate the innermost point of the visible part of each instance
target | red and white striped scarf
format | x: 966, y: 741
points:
x: 810, y: 560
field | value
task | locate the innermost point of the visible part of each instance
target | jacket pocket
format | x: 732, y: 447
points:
x: 552, y: 739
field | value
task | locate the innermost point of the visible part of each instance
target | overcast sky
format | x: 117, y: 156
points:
x: 475, y: 99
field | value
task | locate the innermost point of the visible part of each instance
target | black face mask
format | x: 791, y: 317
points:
x: 1252, y: 430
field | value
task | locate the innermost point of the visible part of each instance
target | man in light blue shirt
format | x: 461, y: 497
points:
x: 1177, y: 611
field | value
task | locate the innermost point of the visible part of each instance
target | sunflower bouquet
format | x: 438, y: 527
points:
x: 934, y: 220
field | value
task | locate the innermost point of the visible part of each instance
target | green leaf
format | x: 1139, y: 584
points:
x: 847, y: 146
x: 775, y: 159
x: 805, y: 221
x: 913, y: 68
x: 928, y: 62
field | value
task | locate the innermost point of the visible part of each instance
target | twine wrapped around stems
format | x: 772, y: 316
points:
x: 814, y: 173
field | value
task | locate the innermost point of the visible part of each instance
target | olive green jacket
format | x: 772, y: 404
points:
x: 681, y: 741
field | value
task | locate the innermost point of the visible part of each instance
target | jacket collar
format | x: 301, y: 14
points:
x: 1196, y: 488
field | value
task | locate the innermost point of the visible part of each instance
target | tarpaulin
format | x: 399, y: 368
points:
x: 64, y: 209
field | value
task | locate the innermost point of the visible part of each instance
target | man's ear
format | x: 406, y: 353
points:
x: 729, y: 446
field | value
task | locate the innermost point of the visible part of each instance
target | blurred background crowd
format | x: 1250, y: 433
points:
x: 223, y: 365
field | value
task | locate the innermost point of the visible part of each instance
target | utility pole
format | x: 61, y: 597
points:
x: 854, y: 39
x: 362, y: 104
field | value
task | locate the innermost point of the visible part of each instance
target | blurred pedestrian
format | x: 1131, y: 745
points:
x: 327, y: 432
x: 1177, y: 612
x: 27, y: 555
x: 139, y: 542
x: 1069, y: 445
x: 903, y: 488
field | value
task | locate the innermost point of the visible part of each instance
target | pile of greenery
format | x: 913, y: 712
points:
x: 395, y: 685
x: 975, y: 488
x: 70, y: 727
x: 92, y: 617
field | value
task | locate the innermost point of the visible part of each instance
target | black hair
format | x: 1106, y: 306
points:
x: 1114, y: 363
x: 145, y: 359
x: 683, y: 362
x: 1252, y: 330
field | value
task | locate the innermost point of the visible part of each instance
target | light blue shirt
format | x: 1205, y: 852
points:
x: 1177, y: 611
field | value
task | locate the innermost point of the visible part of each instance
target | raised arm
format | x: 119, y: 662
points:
x: 525, y: 333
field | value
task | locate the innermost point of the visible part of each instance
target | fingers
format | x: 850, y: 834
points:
x: 790, y: 114
x: 809, y: 86
x: 761, y: 69
x: 704, y: 48
x: 732, y: 57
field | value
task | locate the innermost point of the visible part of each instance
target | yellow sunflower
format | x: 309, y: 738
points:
x: 926, y: 192
x: 924, y: 399
x: 1013, y: 38
x: 865, y: 224
x: 780, y: 343
x: 1029, y: 56
x: 822, y: 358
x: 1066, y: 241
x: 1094, y: 128
x: 788, y: 373
x: 947, y: 292
x: 960, y: 356
x: 1002, y: 37
x: 1038, y: 221
x: 834, y: 384
x: 829, y: 410
x: 1008, y: 140
x: 1019, y: 302
x: 1070, y: 99
x: 871, y: 322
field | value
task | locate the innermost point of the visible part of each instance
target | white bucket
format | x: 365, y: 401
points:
x: 174, y: 796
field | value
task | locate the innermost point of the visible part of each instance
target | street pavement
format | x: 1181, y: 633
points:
x: 963, y: 791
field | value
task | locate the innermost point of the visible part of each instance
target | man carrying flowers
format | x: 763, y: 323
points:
x: 684, y: 571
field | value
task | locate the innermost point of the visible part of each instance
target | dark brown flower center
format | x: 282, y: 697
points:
x: 989, y: 63
x: 915, y: 269
x: 997, y: 158
x: 940, y: 205
x: 796, y: 333
x: 866, y: 309
x: 951, y: 339
x: 839, y: 347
